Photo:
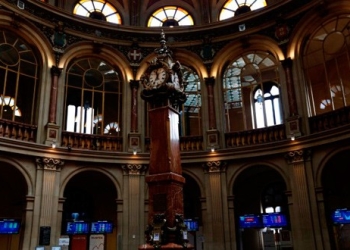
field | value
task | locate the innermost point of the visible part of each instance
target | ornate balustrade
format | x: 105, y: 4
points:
x: 329, y: 120
x: 256, y: 136
x: 191, y: 143
x: 187, y: 143
x: 92, y: 142
x: 17, y: 130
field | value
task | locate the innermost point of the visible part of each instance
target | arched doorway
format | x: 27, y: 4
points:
x: 13, y: 191
x: 336, y: 185
x: 90, y: 197
x: 192, y: 210
x: 259, y: 191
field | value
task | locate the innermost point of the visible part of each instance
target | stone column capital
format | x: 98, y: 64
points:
x: 49, y: 164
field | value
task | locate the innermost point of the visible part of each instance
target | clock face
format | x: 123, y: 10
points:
x: 161, y: 75
x: 153, y: 76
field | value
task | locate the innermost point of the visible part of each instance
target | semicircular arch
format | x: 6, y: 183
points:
x: 25, y: 173
x: 66, y: 180
x: 88, y: 49
x: 278, y: 169
x: 232, y: 50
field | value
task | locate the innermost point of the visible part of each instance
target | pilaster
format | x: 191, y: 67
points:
x: 48, y: 193
x: 303, y: 229
x: 134, y: 179
x: 215, y: 169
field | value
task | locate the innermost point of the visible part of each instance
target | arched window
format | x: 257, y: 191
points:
x: 326, y: 64
x: 190, y: 112
x: 251, y: 92
x: 170, y: 16
x: 97, y: 9
x: 18, y: 79
x: 93, y: 98
x: 236, y: 7
x: 267, y: 110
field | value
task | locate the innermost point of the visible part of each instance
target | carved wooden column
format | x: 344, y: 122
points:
x: 302, y: 223
x: 47, y: 192
x: 133, y: 217
x: 134, y: 136
x: 293, y: 121
x: 212, y: 133
x: 219, y: 217
x: 52, y: 127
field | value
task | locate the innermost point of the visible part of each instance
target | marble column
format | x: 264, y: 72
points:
x: 48, y: 184
x: 51, y: 127
x: 55, y: 73
x: 293, y: 120
x: 287, y: 66
x: 302, y: 223
x: 134, y: 185
x: 212, y: 133
x: 134, y: 85
x: 134, y: 138
x: 209, y: 82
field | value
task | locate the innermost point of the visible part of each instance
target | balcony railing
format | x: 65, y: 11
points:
x: 187, y: 143
x: 18, y: 131
x: 329, y: 120
x: 92, y: 142
x: 256, y: 136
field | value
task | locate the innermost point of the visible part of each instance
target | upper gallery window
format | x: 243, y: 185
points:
x: 93, y: 101
x: 170, y: 16
x: 97, y: 9
x: 236, y: 7
x: 190, y: 112
x: 251, y: 92
x: 327, y: 66
x: 18, y: 79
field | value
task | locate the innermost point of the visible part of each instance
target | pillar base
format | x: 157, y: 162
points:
x: 167, y: 246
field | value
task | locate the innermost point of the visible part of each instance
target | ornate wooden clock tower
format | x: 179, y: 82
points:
x: 163, y: 90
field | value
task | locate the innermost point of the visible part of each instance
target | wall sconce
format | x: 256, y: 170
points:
x: 212, y: 149
x: 134, y: 152
x: 292, y: 137
x: 69, y: 148
x: 53, y: 145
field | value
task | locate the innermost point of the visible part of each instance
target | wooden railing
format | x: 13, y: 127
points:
x: 92, y: 142
x: 187, y: 143
x: 256, y: 136
x: 18, y: 131
x: 329, y: 120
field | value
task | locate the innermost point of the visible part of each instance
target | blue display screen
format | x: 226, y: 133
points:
x: 101, y: 227
x: 250, y: 221
x: 341, y: 216
x: 77, y: 227
x: 9, y: 226
x: 274, y: 220
x: 192, y: 225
